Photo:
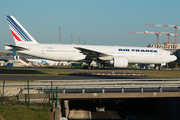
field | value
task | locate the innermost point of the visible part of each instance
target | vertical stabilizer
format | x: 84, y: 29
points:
x: 20, y: 35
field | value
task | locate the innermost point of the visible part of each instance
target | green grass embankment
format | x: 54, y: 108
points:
x: 25, y: 113
x: 161, y: 74
x: 17, y: 110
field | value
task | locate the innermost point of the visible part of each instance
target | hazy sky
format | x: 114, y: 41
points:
x: 98, y: 22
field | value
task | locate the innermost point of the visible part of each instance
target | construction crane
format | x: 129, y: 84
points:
x: 168, y: 34
x: 146, y: 32
x: 174, y: 26
x: 157, y: 34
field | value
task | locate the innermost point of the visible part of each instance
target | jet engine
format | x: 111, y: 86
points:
x: 120, y: 62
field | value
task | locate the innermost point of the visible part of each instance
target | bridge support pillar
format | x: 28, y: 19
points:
x: 142, y: 89
x: 83, y: 90
x: 103, y: 90
x: 66, y: 103
x: 122, y: 90
x: 57, y: 113
x: 65, y: 108
x: 160, y: 88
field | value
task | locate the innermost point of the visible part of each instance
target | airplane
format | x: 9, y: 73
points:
x: 92, y: 55
x: 27, y: 61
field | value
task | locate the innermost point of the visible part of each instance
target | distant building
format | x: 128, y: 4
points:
x: 167, y: 46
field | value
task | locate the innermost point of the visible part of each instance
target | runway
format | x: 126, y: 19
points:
x: 70, y: 77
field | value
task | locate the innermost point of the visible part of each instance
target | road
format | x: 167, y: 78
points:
x: 88, y: 105
x: 70, y: 77
x: 141, y: 108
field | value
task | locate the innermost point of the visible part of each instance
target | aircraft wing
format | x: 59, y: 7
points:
x: 91, y: 54
x: 15, y: 47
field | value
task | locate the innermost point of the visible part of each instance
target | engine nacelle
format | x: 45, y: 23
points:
x: 120, y: 62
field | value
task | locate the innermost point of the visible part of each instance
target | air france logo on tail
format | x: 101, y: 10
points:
x: 19, y: 33
x: 14, y: 35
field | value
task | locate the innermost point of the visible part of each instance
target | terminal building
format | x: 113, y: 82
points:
x: 167, y: 46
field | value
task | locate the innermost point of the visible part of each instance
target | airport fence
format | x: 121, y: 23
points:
x: 46, y: 97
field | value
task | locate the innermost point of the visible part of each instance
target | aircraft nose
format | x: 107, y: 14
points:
x: 173, y: 58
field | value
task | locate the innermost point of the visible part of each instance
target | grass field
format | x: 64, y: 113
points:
x: 17, y: 110
x: 162, y: 74
x: 25, y: 113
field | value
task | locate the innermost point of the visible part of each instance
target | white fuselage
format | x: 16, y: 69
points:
x: 62, y: 52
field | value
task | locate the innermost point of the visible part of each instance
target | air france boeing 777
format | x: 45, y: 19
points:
x: 114, y: 56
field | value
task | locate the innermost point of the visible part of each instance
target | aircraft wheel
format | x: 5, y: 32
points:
x: 89, y: 67
x: 97, y: 68
x: 93, y: 68
x: 85, y: 67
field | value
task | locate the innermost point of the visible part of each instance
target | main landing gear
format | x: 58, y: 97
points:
x: 93, y: 65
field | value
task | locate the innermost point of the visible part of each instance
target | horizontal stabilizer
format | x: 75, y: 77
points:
x: 14, y: 47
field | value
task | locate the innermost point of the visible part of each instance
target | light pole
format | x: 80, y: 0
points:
x: 79, y: 40
x: 71, y: 39
x: 59, y: 35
